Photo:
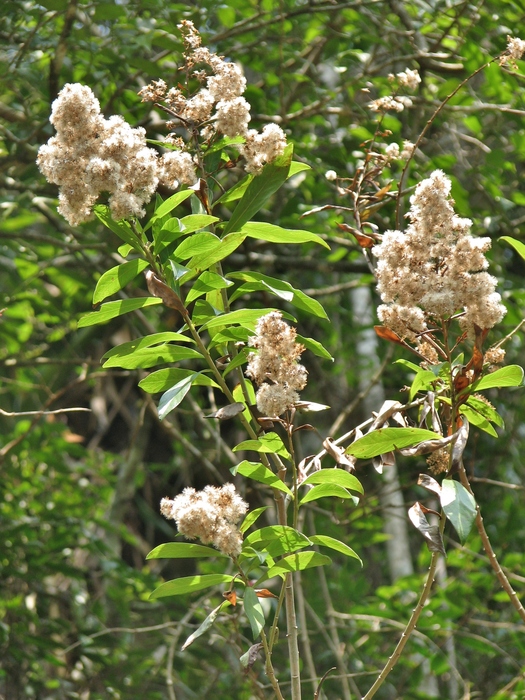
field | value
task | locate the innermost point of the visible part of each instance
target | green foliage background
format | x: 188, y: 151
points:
x: 79, y: 494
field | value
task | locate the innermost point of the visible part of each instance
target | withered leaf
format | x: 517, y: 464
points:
x: 338, y: 453
x: 227, y: 412
x: 157, y: 288
x: 265, y: 593
x: 429, y: 483
x: 430, y: 532
x: 248, y: 659
x: 387, y: 334
x: 231, y: 597
x: 459, y: 445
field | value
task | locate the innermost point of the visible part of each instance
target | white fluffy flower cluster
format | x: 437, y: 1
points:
x: 223, y: 93
x: 394, y: 103
x: 90, y: 155
x: 436, y: 268
x: 407, y: 78
x: 274, y: 368
x: 515, y: 50
x: 210, y: 515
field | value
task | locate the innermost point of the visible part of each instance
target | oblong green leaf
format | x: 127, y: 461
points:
x: 260, y: 189
x: 251, y: 518
x: 335, y: 476
x: 149, y: 357
x: 253, y: 610
x: 477, y: 419
x: 505, y: 376
x: 194, y: 222
x: 198, y: 244
x: 459, y: 506
x: 170, y: 204
x: 299, y: 561
x: 279, y: 287
x: 270, y: 443
x: 174, y: 396
x: 258, y: 472
x: 314, y: 346
x: 276, y: 539
x: 337, y: 545
x: 117, y: 278
x: 326, y: 491
x: 190, y: 584
x: 385, y: 440
x: 207, y: 282
x: 183, y: 550
x: 225, y: 247
x: 113, y: 309
x: 518, y: 246
x: 121, y: 228
x: 275, y: 234
x: 164, y: 379
x: 146, y: 341
x: 243, y: 317
x: 205, y: 626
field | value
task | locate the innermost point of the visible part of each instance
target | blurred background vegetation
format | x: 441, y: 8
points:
x: 79, y: 491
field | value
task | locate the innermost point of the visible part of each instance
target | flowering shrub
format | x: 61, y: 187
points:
x: 429, y: 276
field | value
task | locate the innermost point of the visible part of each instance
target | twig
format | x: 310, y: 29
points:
x: 392, y: 661
x: 502, y: 578
x: 12, y: 414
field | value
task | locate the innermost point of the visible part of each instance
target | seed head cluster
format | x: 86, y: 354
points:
x: 218, y: 107
x: 210, y: 515
x: 91, y: 155
x: 436, y: 268
x: 274, y: 368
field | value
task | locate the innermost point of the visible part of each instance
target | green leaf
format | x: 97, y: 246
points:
x: 270, y: 443
x: 183, y: 550
x: 478, y: 420
x: 505, y: 376
x: 280, y: 288
x: 275, y: 234
x: 198, y: 244
x: 194, y: 222
x: 423, y: 380
x: 253, y: 610
x: 335, y: 476
x: 146, y: 341
x: 260, y: 189
x: 385, y: 440
x: 237, y: 191
x: 112, y: 309
x: 169, y: 205
x: 190, y: 584
x: 459, y: 506
x: 121, y: 228
x: 117, y: 278
x: 163, y: 379
x: 243, y: 317
x: 299, y: 561
x: 276, y: 539
x: 326, y: 541
x: 258, y: 472
x: 174, y: 396
x: 518, y: 246
x: 149, y: 357
x: 206, y: 624
x: 225, y: 247
x: 207, y: 282
x: 488, y: 412
x: 251, y: 517
x: 325, y: 491
x: 315, y: 347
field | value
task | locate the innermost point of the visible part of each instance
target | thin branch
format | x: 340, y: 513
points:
x: 15, y: 414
